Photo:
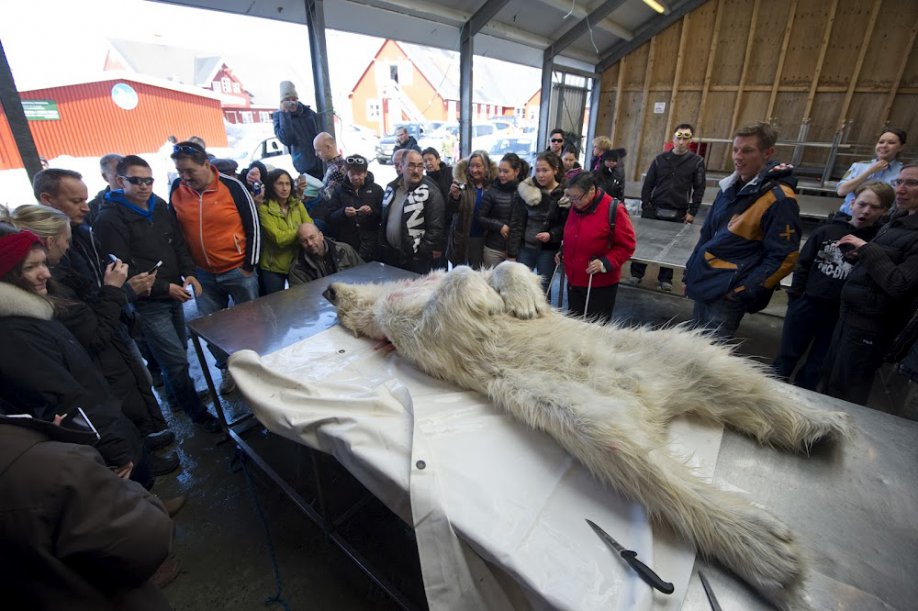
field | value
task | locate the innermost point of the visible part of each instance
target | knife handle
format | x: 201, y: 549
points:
x: 646, y: 573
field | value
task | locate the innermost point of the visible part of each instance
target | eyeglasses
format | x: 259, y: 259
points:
x: 557, y: 140
x: 577, y: 198
x: 185, y: 150
x: 415, y: 166
x: 139, y: 180
x: 683, y: 136
x: 355, y: 161
x: 911, y: 183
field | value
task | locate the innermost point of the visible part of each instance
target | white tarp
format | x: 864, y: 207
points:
x: 475, y: 483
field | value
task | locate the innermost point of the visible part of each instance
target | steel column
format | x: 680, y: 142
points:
x: 318, y: 55
x: 15, y: 116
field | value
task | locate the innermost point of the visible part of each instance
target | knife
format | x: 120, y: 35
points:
x: 715, y: 606
x: 644, y: 572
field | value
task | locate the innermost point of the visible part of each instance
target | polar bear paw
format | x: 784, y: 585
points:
x: 520, y: 289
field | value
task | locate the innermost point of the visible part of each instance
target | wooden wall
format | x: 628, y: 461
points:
x: 729, y: 62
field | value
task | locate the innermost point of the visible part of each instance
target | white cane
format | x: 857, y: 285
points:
x: 586, y: 307
x: 552, y: 279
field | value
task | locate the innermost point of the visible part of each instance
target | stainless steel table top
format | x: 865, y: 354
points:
x: 664, y: 242
x: 853, y: 505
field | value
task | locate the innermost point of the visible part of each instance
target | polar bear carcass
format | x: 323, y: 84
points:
x: 605, y: 394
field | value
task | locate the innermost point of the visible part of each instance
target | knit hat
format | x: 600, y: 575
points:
x: 14, y: 248
x: 358, y: 163
x: 288, y: 90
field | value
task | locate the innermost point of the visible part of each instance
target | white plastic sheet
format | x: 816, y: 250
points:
x: 475, y: 483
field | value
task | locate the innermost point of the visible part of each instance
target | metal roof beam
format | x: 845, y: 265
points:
x: 485, y: 13
x: 609, y: 25
x: 654, y: 27
x: 582, y: 27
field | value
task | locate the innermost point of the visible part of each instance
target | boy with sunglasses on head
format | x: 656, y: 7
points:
x: 354, y: 208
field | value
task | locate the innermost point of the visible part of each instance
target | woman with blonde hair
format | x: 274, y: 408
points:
x: 50, y: 225
x: 601, y: 144
x: 471, y: 178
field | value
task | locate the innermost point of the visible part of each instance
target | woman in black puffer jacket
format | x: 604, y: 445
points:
x: 499, y: 213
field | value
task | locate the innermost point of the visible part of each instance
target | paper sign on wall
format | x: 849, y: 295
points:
x: 659, y: 108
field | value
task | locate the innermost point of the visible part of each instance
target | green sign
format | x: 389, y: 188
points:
x: 41, y: 110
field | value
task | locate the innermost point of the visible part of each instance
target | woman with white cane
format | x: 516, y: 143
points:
x: 598, y: 240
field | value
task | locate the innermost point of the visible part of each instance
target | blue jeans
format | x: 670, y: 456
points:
x: 721, y: 317
x: 163, y: 324
x: 542, y: 260
x: 271, y: 282
x: 217, y: 291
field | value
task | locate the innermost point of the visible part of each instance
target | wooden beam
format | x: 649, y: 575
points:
x: 743, y: 74
x: 644, y: 103
x: 677, y: 78
x: 906, y: 53
x: 826, y: 35
x: 781, y: 57
x: 856, y: 74
x: 699, y: 121
x: 619, y: 89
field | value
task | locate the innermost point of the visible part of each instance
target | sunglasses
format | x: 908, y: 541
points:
x: 683, y: 135
x: 557, y: 140
x: 355, y: 161
x: 185, y: 150
x: 138, y: 180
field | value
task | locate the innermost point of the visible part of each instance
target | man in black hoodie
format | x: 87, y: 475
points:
x: 672, y: 191
x: 137, y: 227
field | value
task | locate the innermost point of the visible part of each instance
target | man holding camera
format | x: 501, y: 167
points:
x: 296, y: 125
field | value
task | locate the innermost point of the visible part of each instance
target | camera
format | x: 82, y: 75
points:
x: 257, y: 187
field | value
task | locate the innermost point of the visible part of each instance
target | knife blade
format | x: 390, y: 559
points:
x: 630, y: 556
x: 715, y: 606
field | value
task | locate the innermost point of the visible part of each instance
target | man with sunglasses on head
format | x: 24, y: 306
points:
x: 138, y: 227
x: 220, y: 224
x: 354, y: 208
x: 672, y: 191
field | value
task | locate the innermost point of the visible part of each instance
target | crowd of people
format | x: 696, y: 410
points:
x: 92, y: 291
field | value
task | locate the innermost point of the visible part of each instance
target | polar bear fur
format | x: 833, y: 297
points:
x: 605, y: 393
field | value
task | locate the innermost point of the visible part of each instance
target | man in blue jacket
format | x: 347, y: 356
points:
x: 750, y: 238
x: 296, y: 125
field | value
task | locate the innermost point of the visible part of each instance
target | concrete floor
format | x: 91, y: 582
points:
x: 220, y: 539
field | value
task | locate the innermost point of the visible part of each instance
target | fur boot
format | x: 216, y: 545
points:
x: 594, y: 393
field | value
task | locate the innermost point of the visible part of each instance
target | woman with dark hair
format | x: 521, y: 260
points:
x: 45, y: 372
x: 543, y: 211
x: 280, y: 215
x: 254, y: 178
x: 499, y: 214
x: 884, y: 167
x: 471, y: 178
x: 610, y: 176
x: 594, y: 251
x: 569, y: 159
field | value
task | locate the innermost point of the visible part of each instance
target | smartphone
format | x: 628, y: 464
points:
x: 155, y: 267
x: 113, y: 258
x: 78, y: 420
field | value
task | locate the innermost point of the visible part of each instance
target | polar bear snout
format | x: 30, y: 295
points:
x: 331, y: 294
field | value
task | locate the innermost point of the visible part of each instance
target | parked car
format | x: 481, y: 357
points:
x: 524, y: 146
x: 445, y: 139
x: 273, y: 154
x: 387, y: 143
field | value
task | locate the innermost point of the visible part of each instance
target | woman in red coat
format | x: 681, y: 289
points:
x: 593, y: 255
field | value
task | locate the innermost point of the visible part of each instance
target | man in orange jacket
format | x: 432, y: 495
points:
x: 220, y: 225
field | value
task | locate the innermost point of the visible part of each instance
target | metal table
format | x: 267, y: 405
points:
x: 851, y: 505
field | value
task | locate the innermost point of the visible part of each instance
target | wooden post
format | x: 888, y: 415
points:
x: 827, y: 34
x: 856, y: 74
x: 780, y: 68
x: 743, y: 74
x: 906, y: 53
x: 699, y: 121
x: 644, y: 103
x: 677, y: 78
x: 616, y: 121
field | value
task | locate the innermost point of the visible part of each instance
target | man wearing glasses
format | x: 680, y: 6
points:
x: 137, y: 227
x: 412, y: 227
x: 220, y: 225
x: 672, y: 191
